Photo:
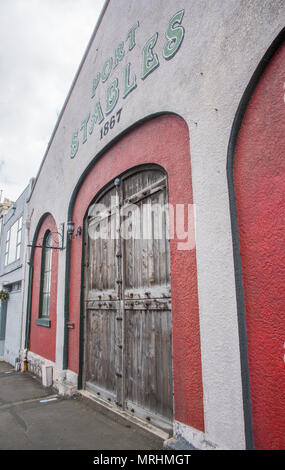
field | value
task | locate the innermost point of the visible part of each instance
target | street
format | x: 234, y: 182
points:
x: 36, y: 418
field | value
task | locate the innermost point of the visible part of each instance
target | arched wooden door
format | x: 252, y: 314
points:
x: 128, y: 331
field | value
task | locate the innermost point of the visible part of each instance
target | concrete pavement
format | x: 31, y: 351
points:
x: 36, y: 418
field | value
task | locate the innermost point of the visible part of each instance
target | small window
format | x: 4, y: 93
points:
x: 44, y: 307
x: 14, y: 287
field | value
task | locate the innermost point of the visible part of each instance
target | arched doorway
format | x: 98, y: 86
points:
x: 160, y: 142
x: 128, y: 325
x: 259, y: 175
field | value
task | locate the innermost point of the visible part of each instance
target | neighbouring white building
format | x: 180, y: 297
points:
x: 12, y: 269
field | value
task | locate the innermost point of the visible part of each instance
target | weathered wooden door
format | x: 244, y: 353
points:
x: 128, y: 341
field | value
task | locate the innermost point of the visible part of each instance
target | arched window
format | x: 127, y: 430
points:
x: 42, y: 301
x: 45, y: 277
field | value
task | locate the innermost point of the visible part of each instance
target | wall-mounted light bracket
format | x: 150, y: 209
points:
x: 59, y: 246
x: 71, y: 228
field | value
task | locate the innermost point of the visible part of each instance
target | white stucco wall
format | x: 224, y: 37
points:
x: 11, y: 274
x: 13, y: 327
x: 223, y: 44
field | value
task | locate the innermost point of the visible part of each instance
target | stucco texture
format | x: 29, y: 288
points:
x: 43, y: 339
x: 260, y: 193
x: 164, y: 141
x: 203, y: 83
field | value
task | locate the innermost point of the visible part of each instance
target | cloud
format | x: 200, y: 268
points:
x: 41, y: 45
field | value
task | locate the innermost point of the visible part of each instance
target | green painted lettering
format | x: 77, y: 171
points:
x: 112, y: 96
x: 107, y: 69
x: 129, y: 85
x: 84, y: 128
x: 174, y: 35
x: 95, y: 84
x: 119, y: 54
x: 74, y: 144
x: 150, y: 60
x: 97, y: 115
x: 131, y: 36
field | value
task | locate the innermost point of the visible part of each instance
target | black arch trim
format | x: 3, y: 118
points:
x: 235, y: 236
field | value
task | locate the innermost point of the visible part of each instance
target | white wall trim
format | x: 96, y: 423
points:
x: 195, y: 438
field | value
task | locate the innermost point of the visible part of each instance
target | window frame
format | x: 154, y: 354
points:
x: 18, y: 242
x: 46, y: 276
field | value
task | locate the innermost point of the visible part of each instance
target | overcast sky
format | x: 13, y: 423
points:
x: 41, y: 45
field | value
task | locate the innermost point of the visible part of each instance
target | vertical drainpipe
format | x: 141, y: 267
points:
x: 81, y: 335
x: 66, y: 301
x: 29, y: 304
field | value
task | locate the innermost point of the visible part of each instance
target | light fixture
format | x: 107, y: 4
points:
x: 78, y: 232
x: 70, y: 230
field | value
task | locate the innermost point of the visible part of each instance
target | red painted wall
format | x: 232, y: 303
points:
x: 43, y: 339
x: 164, y: 141
x: 259, y: 176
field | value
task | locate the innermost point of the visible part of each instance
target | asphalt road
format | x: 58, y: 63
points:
x: 36, y: 418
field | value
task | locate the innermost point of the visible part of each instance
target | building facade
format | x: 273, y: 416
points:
x: 157, y: 257
x: 12, y: 268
